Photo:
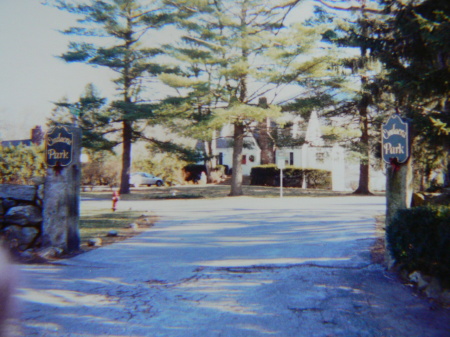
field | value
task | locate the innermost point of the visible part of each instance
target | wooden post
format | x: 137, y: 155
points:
x: 62, y: 189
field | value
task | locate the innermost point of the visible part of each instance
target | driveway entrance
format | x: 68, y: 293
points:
x: 232, y: 267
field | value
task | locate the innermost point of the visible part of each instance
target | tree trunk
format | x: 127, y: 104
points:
x: 263, y: 139
x: 127, y: 131
x: 210, y: 160
x: 127, y: 134
x: 265, y: 143
x: 363, y: 185
x: 236, y: 177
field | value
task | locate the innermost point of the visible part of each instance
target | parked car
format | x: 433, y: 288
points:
x: 143, y: 178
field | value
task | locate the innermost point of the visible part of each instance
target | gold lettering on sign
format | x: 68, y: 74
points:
x: 59, y: 139
x: 389, y: 149
x: 394, y: 132
x: 53, y: 154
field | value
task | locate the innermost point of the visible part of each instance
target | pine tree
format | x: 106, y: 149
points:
x: 413, y: 45
x: 122, y: 24
x: 239, y: 52
x: 357, y: 98
x: 91, y: 114
x: 363, y: 65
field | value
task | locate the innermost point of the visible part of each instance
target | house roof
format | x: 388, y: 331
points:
x: 313, y: 133
x: 37, y: 136
x: 223, y: 143
x: 11, y: 143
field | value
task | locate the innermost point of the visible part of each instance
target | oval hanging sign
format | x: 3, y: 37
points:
x: 58, y: 147
x: 395, y: 140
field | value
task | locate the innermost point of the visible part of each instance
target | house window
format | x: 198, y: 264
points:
x: 291, y: 158
x: 244, y: 159
x: 220, y: 158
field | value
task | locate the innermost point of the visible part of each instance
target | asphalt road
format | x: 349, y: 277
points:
x: 232, y: 267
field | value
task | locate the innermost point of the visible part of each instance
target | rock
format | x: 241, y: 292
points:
x: 95, y: 242
x: 8, y: 203
x: 133, y: 226
x: 418, y: 199
x: 38, y: 180
x: 40, y: 192
x: 27, y: 255
x: 49, y: 252
x: 23, y: 235
x: 112, y: 233
x: 145, y: 220
x: 24, y: 215
x: 20, y: 192
x: 29, y: 234
x: 420, y: 280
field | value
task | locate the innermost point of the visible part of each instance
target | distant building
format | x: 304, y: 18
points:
x: 315, y: 153
x: 37, y: 137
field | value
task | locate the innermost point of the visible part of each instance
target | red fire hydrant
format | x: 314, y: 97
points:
x: 115, y: 199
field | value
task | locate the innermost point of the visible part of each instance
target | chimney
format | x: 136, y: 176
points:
x: 37, y: 135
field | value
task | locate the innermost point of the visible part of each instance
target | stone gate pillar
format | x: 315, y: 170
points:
x: 399, y: 188
x: 61, y: 207
x: 396, y: 152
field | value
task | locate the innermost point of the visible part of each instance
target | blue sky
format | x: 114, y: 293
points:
x: 32, y: 77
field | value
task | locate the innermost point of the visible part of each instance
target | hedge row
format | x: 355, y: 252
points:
x: 193, y: 171
x: 419, y: 240
x: 19, y: 164
x: 269, y: 175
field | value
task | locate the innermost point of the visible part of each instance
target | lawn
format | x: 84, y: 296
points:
x: 110, y: 226
x: 207, y: 191
x: 97, y: 223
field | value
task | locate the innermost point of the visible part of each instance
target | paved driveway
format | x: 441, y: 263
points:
x: 232, y: 267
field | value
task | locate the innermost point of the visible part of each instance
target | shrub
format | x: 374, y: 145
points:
x: 18, y: 164
x: 218, y: 173
x: 165, y: 165
x: 318, y: 178
x: 101, y: 169
x: 193, y: 172
x: 419, y: 239
x: 269, y: 175
x: 264, y: 175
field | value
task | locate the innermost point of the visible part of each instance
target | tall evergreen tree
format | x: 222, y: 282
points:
x: 113, y: 31
x: 354, y: 80
x: 91, y: 114
x: 411, y: 39
x: 243, y: 52
x: 413, y: 45
x: 362, y: 66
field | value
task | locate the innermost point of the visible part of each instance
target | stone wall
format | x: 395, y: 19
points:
x: 21, y: 216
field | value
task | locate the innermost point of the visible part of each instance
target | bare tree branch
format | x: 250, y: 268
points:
x: 362, y: 8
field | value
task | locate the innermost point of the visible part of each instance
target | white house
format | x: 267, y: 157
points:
x: 314, y: 153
